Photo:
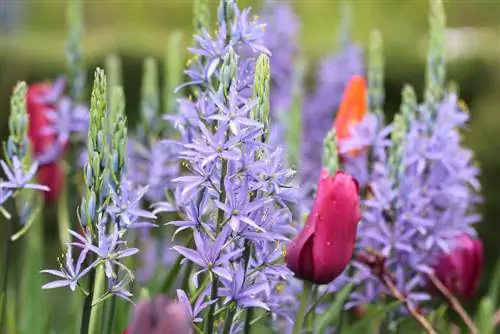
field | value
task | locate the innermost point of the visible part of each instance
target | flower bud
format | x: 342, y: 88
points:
x: 352, y: 110
x: 460, y: 270
x: 49, y: 174
x: 158, y: 316
x: 323, y: 249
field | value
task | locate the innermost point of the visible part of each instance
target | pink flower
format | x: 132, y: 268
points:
x: 460, y: 269
x: 323, y: 249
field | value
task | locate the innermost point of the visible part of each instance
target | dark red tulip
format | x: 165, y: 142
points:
x: 460, y: 269
x: 51, y: 174
x: 352, y: 110
x: 323, y: 249
x: 158, y: 316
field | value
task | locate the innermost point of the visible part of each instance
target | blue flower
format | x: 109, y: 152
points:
x: 70, y: 272
x: 245, y: 295
x: 198, y: 306
x: 209, y: 256
x: 126, y: 207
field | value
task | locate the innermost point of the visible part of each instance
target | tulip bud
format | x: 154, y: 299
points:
x: 160, y: 315
x: 323, y: 249
x: 460, y: 270
x: 50, y: 174
x: 352, y: 110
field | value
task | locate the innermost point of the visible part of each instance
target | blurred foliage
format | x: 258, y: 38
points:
x: 138, y: 29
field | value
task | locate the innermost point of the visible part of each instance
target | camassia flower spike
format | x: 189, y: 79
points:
x: 352, y: 110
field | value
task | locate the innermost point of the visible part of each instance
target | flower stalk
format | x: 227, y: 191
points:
x: 301, y: 314
x: 453, y: 302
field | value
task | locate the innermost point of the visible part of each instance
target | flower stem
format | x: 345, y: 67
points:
x: 453, y: 302
x: 111, y: 316
x: 311, y: 313
x: 174, y: 270
x: 301, y: 314
x: 411, y: 309
x: 87, y: 306
x: 246, y: 258
x: 229, y: 320
x: 208, y: 326
x: 95, y: 308
x: 376, y: 263
x: 209, y: 323
x: 3, y: 295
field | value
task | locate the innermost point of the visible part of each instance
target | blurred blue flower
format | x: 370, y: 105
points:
x: 321, y: 106
x: 17, y: 178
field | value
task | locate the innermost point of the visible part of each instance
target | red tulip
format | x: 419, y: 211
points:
x: 352, y: 110
x: 323, y: 249
x: 460, y: 269
x: 51, y: 174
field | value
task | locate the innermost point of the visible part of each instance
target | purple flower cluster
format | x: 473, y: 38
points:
x: 154, y: 167
x: 421, y: 194
x: 321, y: 106
x: 234, y: 199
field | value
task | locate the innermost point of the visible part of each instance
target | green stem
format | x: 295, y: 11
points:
x: 3, y: 296
x: 87, y: 306
x: 95, y: 308
x: 249, y: 312
x: 202, y: 288
x: 311, y: 314
x: 248, y: 321
x: 299, y: 319
x: 111, y: 315
x: 174, y: 270
x: 209, y: 324
x: 229, y: 320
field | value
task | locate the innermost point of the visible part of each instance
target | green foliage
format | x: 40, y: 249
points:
x: 173, y: 68
x: 261, y: 85
x: 436, y: 61
x: 330, y: 154
x: 293, y: 119
x: 334, y: 312
x: 374, y: 316
x: 150, y: 101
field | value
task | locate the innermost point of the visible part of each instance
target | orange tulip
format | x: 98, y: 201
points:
x: 352, y: 110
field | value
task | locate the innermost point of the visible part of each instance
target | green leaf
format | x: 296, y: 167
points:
x: 484, y: 316
x: 32, y: 296
x: 335, y: 310
x: 374, y: 314
x: 436, y: 317
x: 495, y: 285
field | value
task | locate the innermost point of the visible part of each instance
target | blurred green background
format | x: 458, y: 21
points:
x: 32, y: 48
